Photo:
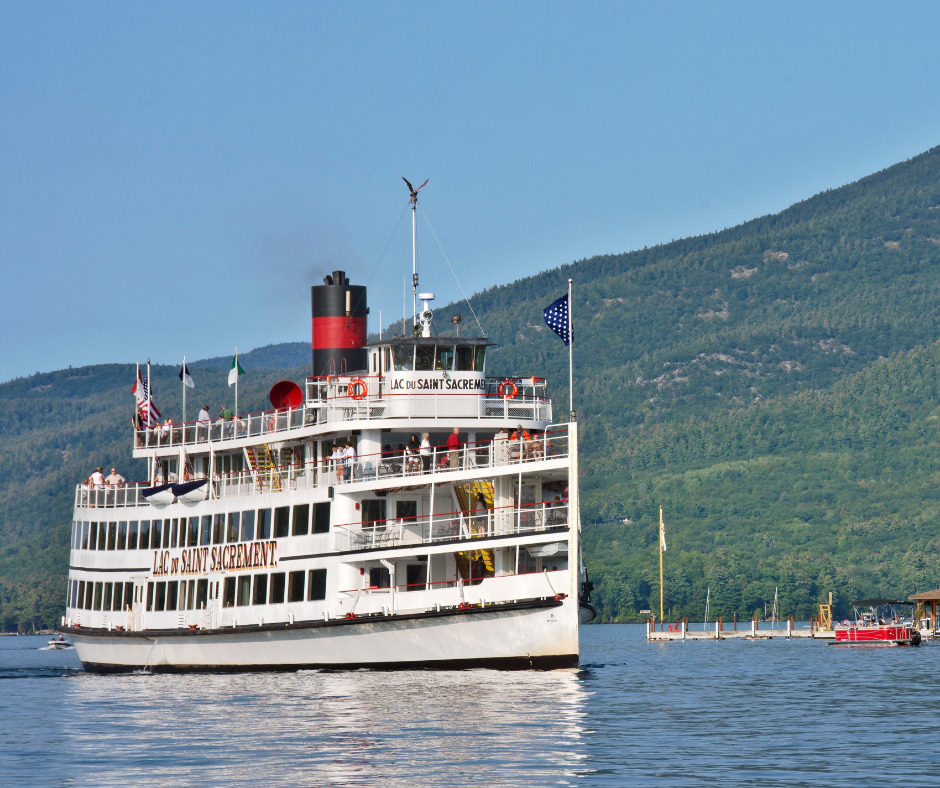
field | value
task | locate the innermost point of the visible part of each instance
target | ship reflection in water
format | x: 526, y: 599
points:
x: 363, y: 728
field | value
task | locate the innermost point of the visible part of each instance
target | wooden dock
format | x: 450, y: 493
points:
x: 752, y: 630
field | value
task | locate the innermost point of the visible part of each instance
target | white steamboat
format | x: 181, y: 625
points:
x: 267, y: 556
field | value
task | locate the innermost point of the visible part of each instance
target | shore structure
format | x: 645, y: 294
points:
x: 307, y: 536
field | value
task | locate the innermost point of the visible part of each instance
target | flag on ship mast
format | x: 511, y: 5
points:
x: 235, y: 371
x: 558, y: 318
x: 149, y: 415
x: 185, y: 376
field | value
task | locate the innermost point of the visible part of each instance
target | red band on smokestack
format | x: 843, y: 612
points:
x: 333, y: 332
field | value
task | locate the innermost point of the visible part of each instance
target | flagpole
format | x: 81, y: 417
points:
x: 570, y: 358
x: 660, y: 563
x: 149, y: 397
x: 184, y: 389
x: 236, y: 382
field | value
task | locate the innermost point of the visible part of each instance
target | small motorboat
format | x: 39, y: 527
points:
x: 60, y: 642
x: 880, y: 625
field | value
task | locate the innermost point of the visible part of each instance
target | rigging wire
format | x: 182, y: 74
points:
x: 382, y: 256
x: 469, y: 306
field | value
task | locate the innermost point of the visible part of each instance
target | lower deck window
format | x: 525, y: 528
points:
x: 295, y: 587
x: 316, y: 584
x: 278, y: 584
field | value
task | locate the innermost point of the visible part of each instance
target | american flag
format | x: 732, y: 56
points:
x: 557, y: 318
x: 149, y: 415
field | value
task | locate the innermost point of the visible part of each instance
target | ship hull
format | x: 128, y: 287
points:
x: 535, y: 635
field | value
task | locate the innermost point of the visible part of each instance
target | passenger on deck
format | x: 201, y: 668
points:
x: 97, y: 479
x: 412, y: 454
x: 453, y: 448
x: 425, y: 451
x: 337, y: 460
x: 115, y: 479
x: 349, y: 461
x: 520, y: 439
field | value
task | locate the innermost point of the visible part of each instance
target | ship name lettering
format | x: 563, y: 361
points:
x: 255, y: 555
x: 437, y: 384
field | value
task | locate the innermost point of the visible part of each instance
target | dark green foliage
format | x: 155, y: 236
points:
x: 773, y: 386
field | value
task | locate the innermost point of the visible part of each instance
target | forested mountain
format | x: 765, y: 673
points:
x: 773, y: 386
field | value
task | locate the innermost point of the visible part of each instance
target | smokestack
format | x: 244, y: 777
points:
x: 339, y: 326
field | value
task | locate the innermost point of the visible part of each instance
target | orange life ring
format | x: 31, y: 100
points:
x: 272, y: 424
x: 507, y: 390
x: 357, y: 388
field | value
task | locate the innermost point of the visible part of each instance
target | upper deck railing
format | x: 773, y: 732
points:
x: 389, y: 466
x: 330, y: 401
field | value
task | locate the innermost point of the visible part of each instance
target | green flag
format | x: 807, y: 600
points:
x: 235, y: 371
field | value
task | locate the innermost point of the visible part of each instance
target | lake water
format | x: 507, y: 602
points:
x: 732, y: 713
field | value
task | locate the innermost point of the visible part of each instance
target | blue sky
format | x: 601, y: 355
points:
x: 175, y: 176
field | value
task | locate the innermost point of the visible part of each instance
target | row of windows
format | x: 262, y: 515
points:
x: 460, y: 358
x: 221, y: 528
x: 258, y: 589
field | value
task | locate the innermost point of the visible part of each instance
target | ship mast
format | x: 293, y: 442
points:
x: 414, y: 243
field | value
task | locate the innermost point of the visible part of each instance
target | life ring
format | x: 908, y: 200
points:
x: 357, y: 388
x: 507, y: 389
x: 272, y: 424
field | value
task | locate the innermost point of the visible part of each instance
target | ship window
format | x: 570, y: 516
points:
x: 202, y: 593
x: 118, y: 601
x: 444, y: 357
x: 295, y: 587
x: 76, y: 533
x: 192, y: 532
x: 172, y: 598
x: 264, y: 524
x: 112, y: 535
x: 424, y: 357
x: 321, y: 518
x: 160, y: 598
x: 128, y: 594
x: 84, y: 536
x: 171, y: 528
x: 248, y: 525
x: 122, y: 535
x: 373, y: 514
x: 480, y: 355
x: 89, y: 588
x: 404, y: 357
x: 281, y: 521
x: 93, y: 536
x: 244, y: 590
x: 379, y: 577
x: 415, y: 577
x: 108, y: 595
x: 167, y: 528
x: 301, y: 526
x: 277, y: 588
x: 132, y: 534
x: 218, y: 528
x: 464, y: 358
x: 102, y: 535
x: 316, y: 586
x: 156, y: 533
x: 261, y: 590
x: 205, y: 535
x: 144, y: 534
x: 234, y: 527
x: 228, y: 592
x: 406, y: 510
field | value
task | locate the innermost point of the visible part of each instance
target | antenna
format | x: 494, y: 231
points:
x: 414, y: 242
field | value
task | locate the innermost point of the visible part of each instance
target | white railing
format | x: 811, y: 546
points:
x: 383, y: 467
x: 340, y: 408
x: 451, y: 527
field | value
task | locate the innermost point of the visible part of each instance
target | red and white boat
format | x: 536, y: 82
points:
x: 879, y: 625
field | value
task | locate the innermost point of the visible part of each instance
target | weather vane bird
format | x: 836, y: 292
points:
x: 414, y: 191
